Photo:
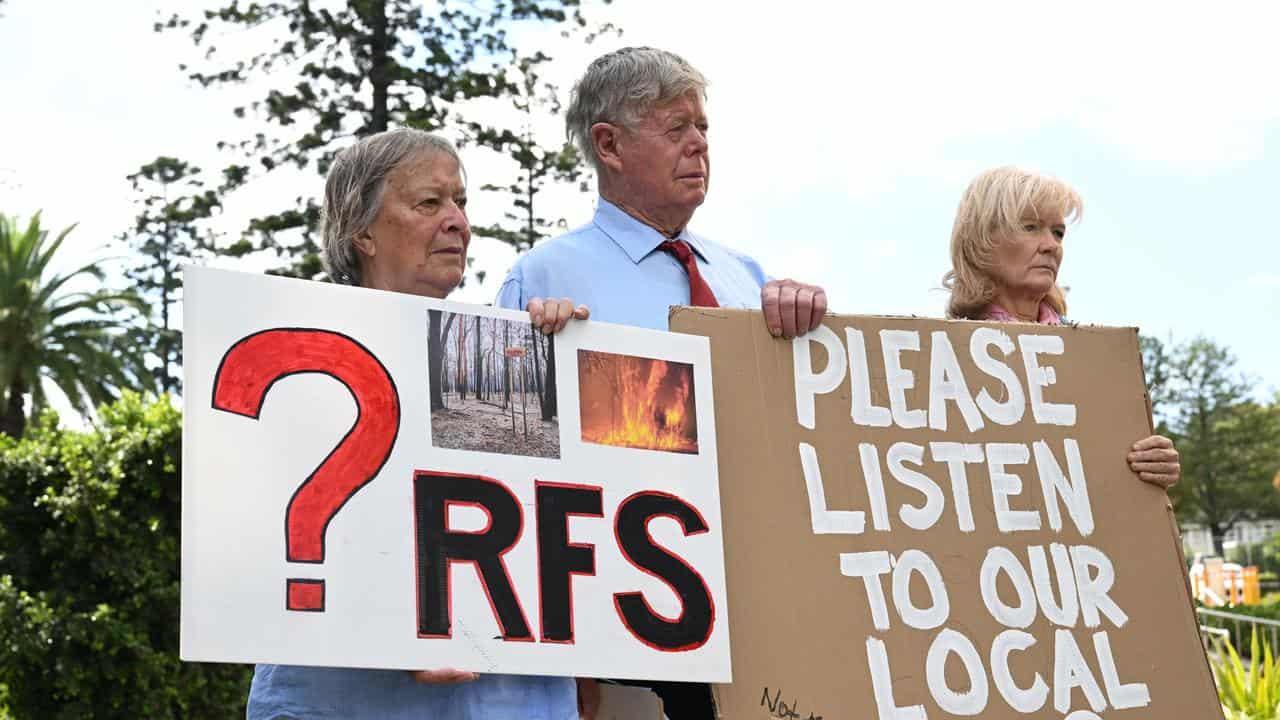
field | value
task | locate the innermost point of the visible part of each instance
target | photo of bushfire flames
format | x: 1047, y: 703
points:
x: 637, y: 402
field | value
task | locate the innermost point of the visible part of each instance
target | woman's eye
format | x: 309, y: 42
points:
x: 461, y: 202
x: 430, y: 203
x: 1029, y: 227
x: 1060, y: 234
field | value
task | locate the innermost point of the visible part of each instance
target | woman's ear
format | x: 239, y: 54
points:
x: 604, y: 138
x: 364, y: 244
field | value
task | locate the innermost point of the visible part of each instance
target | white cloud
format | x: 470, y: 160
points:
x: 1265, y: 280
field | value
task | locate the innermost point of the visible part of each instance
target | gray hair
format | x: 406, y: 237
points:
x: 353, y: 192
x: 622, y: 86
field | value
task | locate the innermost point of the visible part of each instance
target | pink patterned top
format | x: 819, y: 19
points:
x: 1048, y: 316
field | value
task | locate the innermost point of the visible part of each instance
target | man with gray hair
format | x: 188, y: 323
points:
x: 638, y: 117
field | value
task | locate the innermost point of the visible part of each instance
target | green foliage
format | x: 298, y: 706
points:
x: 1229, y: 442
x: 51, y: 330
x: 89, y: 554
x: 1251, y: 693
x: 523, y: 225
x: 166, y: 235
x: 352, y: 69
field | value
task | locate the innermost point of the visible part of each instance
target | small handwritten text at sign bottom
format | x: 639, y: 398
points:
x: 780, y: 709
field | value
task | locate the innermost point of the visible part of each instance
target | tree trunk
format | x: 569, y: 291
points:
x: 1219, y: 534
x: 506, y: 365
x: 462, y: 362
x: 14, y: 421
x: 537, y: 366
x: 549, y: 396
x: 435, y: 359
x: 166, y: 342
x: 436, y: 365
x: 378, y: 66
x: 531, y: 232
x: 479, y: 389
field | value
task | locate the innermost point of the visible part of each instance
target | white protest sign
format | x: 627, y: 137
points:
x: 331, y: 517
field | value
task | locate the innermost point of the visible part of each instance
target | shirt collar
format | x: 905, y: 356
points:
x: 635, y: 238
x: 1047, y: 315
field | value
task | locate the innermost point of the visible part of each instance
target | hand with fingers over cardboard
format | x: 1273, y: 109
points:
x: 552, y: 315
x: 1155, y: 460
x: 792, y: 308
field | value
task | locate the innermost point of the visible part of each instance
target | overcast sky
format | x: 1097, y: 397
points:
x: 842, y: 136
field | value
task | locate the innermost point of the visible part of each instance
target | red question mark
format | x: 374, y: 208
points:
x: 246, y: 374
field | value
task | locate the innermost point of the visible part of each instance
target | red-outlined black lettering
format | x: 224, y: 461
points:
x: 246, y: 374
x: 438, y: 547
x: 558, y: 559
x: 692, y: 628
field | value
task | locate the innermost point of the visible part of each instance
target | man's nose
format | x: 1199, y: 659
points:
x: 456, y: 221
x: 698, y: 143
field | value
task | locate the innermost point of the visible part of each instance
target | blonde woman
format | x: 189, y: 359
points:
x: 1006, y: 248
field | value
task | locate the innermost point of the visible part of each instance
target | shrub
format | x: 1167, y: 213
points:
x: 89, y: 555
x: 1253, y: 693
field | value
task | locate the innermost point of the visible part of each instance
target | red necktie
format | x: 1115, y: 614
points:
x: 700, y: 294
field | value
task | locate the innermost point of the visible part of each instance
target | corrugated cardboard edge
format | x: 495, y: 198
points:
x: 1175, y: 534
x: 731, y: 315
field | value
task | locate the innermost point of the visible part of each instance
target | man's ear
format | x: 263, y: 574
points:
x: 605, y: 138
x: 364, y: 244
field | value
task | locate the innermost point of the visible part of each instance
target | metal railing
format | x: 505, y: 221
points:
x: 1239, y: 629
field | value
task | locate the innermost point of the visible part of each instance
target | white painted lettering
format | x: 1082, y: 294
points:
x: 956, y: 455
x: 1002, y: 560
x: 946, y: 382
x: 969, y: 702
x: 1023, y: 700
x: 1010, y: 411
x: 1038, y: 378
x: 1005, y: 485
x: 810, y: 384
x: 824, y: 521
x: 1074, y: 493
x: 916, y: 562
x: 899, y: 380
x: 870, y: 566
x: 926, y: 515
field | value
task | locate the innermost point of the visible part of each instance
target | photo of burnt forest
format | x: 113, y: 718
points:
x: 492, y: 385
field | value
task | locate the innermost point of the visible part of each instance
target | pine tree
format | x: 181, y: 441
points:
x: 356, y: 69
x: 166, y: 235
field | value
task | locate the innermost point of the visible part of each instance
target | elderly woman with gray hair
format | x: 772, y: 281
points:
x: 1006, y: 248
x: 395, y: 219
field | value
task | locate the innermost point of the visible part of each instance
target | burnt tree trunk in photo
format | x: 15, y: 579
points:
x: 462, y: 362
x: 437, y: 332
x: 506, y: 365
x: 478, y: 391
x: 549, y: 410
x: 537, y: 365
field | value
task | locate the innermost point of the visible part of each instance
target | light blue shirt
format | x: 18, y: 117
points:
x: 613, y: 266
x: 286, y: 691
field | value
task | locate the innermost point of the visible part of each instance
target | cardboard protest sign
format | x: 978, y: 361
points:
x: 928, y: 519
x: 375, y: 479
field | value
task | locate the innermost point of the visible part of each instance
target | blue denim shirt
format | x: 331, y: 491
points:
x: 285, y: 691
x: 613, y: 266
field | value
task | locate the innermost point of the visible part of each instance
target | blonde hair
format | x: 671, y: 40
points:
x: 994, y: 203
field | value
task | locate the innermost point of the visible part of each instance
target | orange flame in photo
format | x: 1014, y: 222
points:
x: 637, y: 402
